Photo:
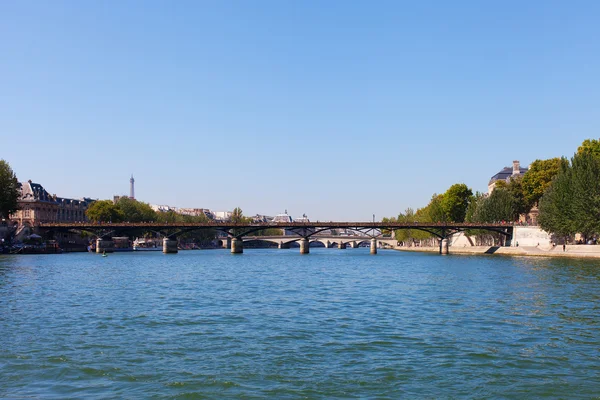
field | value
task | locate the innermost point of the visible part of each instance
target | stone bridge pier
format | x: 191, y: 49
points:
x: 237, y: 246
x: 444, y: 246
x: 373, y: 246
x: 304, y: 246
x: 342, y: 246
x: 282, y: 245
x: 105, y: 245
x: 169, y: 245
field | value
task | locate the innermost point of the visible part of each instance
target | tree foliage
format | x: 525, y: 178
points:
x: 126, y: 209
x: 497, y: 207
x: 136, y: 211
x: 517, y: 193
x: 202, y: 236
x: 451, y: 206
x: 104, y: 211
x: 9, y: 190
x: 590, y: 146
x: 434, y: 212
x: 409, y: 217
x: 538, y: 178
x: 455, y: 201
x: 237, y: 217
x: 572, y: 202
x: 556, y: 211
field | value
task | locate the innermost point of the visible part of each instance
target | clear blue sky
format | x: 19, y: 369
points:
x: 336, y: 109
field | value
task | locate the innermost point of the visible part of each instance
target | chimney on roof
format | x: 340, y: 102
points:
x: 516, y: 167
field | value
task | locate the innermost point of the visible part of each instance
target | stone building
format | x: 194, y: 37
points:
x: 196, y: 212
x: 72, y: 210
x: 36, y: 205
x: 505, y: 174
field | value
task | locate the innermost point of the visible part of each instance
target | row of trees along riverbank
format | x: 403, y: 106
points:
x: 566, y: 193
x: 130, y: 210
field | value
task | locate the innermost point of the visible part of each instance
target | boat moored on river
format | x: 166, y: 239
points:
x: 146, y: 245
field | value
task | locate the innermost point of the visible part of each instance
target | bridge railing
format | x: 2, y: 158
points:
x: 267, y: 225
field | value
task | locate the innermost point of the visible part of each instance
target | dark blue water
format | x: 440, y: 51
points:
x: 274, y: 323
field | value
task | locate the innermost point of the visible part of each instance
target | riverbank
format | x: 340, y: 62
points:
x: 582, y: 251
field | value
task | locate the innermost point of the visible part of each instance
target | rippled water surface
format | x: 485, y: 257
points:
x: 274, y: 323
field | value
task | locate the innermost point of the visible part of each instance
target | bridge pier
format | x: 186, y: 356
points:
x: 282, y: 245
x: 304, y: 246
x: 444, y: 246
x: 373, y: 246
x: 354, y: 244
x: 342, y: 246
x: 169, y: 246
x: 226, y: 243
x: 237, y: 246
x: 104, y: 246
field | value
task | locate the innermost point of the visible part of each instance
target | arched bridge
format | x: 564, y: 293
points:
x: 328, y: 241
x: 304, y: 231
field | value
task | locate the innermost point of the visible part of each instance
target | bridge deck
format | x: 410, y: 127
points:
x: 281, y: 225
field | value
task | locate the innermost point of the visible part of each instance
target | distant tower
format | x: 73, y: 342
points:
x: 131, y: 190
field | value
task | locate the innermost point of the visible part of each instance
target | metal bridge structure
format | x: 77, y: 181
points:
x: 301, y: 232
x: 328, y: 241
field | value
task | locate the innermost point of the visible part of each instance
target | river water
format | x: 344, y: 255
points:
x: 274, y: 323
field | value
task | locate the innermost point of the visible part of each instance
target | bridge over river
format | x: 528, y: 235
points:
x: 302, y: 232
x: 328, y: 241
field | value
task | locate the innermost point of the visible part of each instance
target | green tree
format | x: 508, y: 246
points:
x: 585, y: 193
x: 590, y: 146
x: 9, y: 190
x: 497, y: 207
x: 516, y: 191
x: 424, y: 215
x: 476, y: 200
x: 434, y: 212
x: 455, y: 202
x: 406, y: 235
x: 572, y: 202
x: 514, y: 187
x: 269, y: 232
x: 538, y: 178
x: 386, y: 220
x: 104, y: 211
x: 556, y: 208
x: 237, y: 216
x: 136, y: 211
x: 168, y: 217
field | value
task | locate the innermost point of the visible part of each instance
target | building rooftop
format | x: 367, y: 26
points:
x: 282, y: 217
x: 304, y: 218
x: 506, y: 173
x: 34, y: 192
x: 31, y: 191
